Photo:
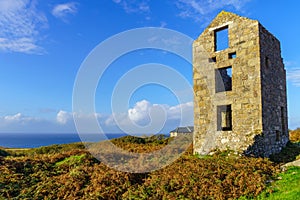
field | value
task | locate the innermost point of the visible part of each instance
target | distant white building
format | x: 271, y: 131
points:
x: 182, y: 130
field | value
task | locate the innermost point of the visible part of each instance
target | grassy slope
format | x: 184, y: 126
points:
x: 68, y: 171
x: 287, y: 186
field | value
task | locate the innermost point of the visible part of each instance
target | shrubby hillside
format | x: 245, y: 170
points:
x: 70, y: 172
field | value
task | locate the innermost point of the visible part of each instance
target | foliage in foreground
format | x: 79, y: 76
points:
x: 3, y: 152
x: 295, y: 135
x: 70, y: 172
x: 290, y: 153
x: 286, y: 186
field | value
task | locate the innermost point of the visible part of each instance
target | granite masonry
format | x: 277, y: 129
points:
x: 240, y: 88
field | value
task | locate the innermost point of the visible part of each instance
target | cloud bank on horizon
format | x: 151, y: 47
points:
x: 64, y: 123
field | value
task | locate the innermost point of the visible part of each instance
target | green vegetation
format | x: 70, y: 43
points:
x: 3, y: 152
x: 155, y: 139
x: 70, y: 172
x: 74, y: 161
x: 286, y: 186
x: 46, y: 150
x: 290, y: 153
x: 295, y: 135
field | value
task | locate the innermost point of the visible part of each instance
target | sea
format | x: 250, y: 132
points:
x: 34, y: 140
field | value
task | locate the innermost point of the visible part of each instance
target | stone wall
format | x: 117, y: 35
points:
x: 253, y: 117
x: 274, y: 99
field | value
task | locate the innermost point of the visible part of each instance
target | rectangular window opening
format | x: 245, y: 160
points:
x: 224, y: 118
x: 232, y: 55
x: 283, y: 123
x: 212, y: 60
x: 277, y: 136
x: 221, y: 39
x: 223, y: 79
x: 267, y: 62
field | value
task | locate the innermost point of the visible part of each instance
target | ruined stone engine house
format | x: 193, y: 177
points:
x: 240, y: 88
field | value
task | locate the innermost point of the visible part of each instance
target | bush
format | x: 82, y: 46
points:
x: 295, y: 135
x: 3, y: 153
x: 74, y: 160
x: 154, y: 139
x: 288, y: 154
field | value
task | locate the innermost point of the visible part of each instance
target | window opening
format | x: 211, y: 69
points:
x: 224, y: 118
x: 267, y: 62
x: 223, y: 79
x: 277, y: 136
x: 212, y: 60
x: 221, y: 39
x: 283, y: 123
x: 232, y: 55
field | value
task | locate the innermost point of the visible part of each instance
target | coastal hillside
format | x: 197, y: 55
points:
x: 70, y: 172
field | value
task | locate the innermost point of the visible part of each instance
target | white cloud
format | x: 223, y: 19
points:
x: 134, y: 6
x: 18, y: 118
x: 293, y: 75
x: 199, y: 9
x: 26, y: 124
x: 20, y: 26
x: 176, y: 112
x: 142, y: 112
x: 63, y: 10
x: 15, y: 117
x: 63, y: 117
x: 17, y: 123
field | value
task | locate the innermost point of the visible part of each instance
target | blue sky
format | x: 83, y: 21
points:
x: 43, y: 44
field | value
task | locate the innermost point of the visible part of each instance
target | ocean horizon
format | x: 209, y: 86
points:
x: 34, y: 140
